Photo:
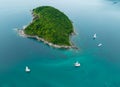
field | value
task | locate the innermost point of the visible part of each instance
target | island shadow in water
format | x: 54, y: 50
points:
x: 61, y: 49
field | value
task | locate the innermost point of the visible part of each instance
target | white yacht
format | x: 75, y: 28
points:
x: 95, y: 36
x: 27, y: 69
x: 100, y: 44
x: 77, y: 64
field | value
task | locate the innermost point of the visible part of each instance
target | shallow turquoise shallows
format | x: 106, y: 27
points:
x: 50, y: 67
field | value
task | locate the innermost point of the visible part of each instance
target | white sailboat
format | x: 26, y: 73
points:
x: 77, y: 64
x: 100, y: 44
x: 27, y: 69
x: 95, y: 36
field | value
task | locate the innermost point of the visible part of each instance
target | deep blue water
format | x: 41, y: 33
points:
x: 50, y: 67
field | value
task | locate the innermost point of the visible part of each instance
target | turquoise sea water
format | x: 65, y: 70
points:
x: 50, y: 67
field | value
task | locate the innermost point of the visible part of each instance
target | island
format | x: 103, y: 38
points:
x: 51, y: 26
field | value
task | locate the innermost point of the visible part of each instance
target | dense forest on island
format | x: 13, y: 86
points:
x: 50, y: 24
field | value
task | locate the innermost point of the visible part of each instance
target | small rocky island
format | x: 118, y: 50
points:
x: 51, y: 26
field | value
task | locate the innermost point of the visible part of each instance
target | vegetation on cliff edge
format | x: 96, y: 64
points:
x: 50, y: 24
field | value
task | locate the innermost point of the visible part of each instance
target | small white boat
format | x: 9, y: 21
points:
x: 100, y: 44
x: 27, y: 69
x: 77, y: 64
x: 95, y: 36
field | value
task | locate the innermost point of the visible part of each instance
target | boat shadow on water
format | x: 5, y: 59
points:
x: 114, y: 1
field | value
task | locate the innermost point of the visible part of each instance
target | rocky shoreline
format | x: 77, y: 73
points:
x: 21, y: 33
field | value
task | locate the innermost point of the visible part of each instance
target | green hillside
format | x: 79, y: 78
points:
x: 51, y: 24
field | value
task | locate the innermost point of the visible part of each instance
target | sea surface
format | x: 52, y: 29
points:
x: 50, y: 67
